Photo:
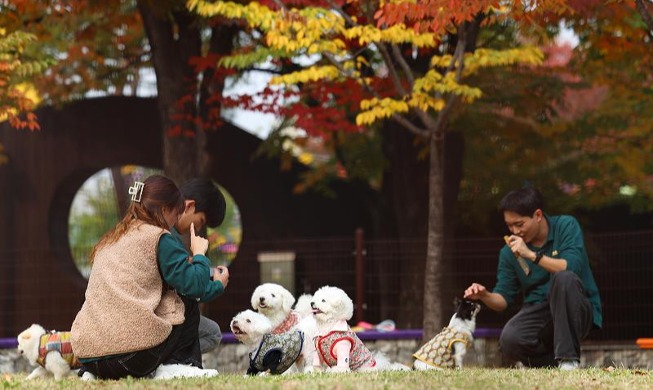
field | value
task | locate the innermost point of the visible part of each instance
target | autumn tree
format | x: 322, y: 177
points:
x: 609, y: 146
x: 105, y: 48
x: 588, y: 148
x: 17, y: 96
x: 406, y: 62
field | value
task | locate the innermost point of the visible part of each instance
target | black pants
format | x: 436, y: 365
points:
x: 181, y: 347
x: 541, y: 334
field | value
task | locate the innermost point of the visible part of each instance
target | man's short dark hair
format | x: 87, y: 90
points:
x: 208, y: 199
x: 523, y: 201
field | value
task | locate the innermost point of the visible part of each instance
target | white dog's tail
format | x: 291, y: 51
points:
x: 384, y: 364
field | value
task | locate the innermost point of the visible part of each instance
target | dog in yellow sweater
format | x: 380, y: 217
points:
x: 50, y: 352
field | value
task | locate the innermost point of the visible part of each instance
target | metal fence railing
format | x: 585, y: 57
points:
x: 391, y: 282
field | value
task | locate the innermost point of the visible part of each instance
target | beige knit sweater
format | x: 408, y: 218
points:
x: 126, y: 308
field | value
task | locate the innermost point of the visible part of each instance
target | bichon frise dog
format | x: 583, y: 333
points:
x: 448, y: 348
x: 336, y: 345
x: 50, y: 351
x: 275, y: 302
x: 273, y: 353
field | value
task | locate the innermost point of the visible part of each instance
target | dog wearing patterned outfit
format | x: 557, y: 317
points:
x: 50, y: 352
x: 448, y: 348
x: 337, y: 346
x: 276, y: 303
x: 272, y: 353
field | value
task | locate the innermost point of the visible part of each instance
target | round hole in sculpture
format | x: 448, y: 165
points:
x: 100, y: 203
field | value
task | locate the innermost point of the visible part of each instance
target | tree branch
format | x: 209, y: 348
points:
x: 404, y: 65
x: 645, y: 15
x: 458, y: 56
x: 396, y: 80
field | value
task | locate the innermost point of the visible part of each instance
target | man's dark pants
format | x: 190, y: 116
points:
x: 543, y: 333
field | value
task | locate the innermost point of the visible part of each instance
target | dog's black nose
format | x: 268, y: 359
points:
x: 262, y: 299
x: 312, y: 305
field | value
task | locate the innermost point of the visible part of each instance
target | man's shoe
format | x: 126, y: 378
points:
x: 170, y: 371
x: 569, y: 365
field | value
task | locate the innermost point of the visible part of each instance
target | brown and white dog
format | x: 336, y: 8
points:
x: 270, y: 353
x: 337, y: 346
x: 50, y: 352
x: 276, y: 303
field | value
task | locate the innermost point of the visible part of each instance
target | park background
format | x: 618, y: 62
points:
x: 391, y: 130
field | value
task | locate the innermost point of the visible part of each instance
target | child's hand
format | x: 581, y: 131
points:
x: 198, y: 245
x: 221, y: 273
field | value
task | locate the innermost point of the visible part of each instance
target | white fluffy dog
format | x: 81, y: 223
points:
x: 49, y: 351
x: 448, y: 348
x: 288, y: 352
x: 275, y: 302
x: 337, y: 346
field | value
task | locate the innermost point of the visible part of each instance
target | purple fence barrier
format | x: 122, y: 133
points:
x: 369, y: 335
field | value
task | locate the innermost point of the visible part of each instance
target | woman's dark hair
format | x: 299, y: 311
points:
x: 158, y: 192
x: 523, y: 201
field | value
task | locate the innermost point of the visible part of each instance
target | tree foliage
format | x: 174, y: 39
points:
x: 100, y: 46
x: 409, y: 62
x: 347, y: 49
x: 17, y: 96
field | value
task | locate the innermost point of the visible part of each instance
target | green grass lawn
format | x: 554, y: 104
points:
x: 471, y: 378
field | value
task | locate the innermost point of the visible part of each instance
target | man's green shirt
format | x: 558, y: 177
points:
x: 565, y: 241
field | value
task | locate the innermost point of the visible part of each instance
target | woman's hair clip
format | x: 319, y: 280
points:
x: 136, y: 191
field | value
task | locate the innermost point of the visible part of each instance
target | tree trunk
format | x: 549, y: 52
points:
x: 213, y: 82
x: 121, y: 190
x: 174, y: 38
x: 403, y: 216
x: 434, y: 253
x: 437, y: 267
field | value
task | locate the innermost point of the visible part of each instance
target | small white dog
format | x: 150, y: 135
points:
x: 448, y: 348
x: 336, y: 345
x: 50, y: 351
x: 287, y: 352
x: 275, y: 302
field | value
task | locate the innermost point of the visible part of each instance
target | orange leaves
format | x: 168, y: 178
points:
x: 436, y: 16
x: 30, y: 122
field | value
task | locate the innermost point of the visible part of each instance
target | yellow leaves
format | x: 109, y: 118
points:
x: 425, y: 102
x: 306, y: 158
x: 375, y: 109
x: 314, y: 73
x: 434, y: 82
x: 483, y: 58
x: 29, y: 99
x: 254, y: 14
x: 396, y: 34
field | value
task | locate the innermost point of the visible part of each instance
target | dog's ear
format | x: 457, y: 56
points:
x: 254, y: 298
x: 345, y: 306
x: 287, y: 301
